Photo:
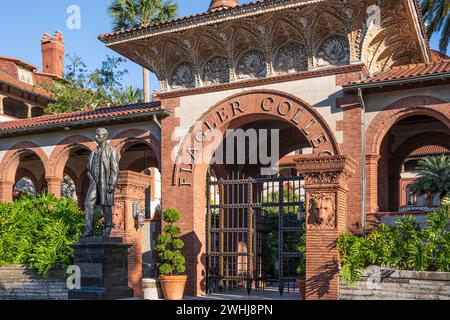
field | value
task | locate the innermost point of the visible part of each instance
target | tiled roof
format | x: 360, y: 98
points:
x: 7, y: 79
x: 437, y: 56
x: 192, y: 19
x: 429, y: 150
x: 19, y: 62
x: 66, y: 119
x: 408, y: 72
x: 226, y: 11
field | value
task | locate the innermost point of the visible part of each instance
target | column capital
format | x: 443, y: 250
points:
x: 332, y: 171
x: 132, y: 184
x: 374, y: 157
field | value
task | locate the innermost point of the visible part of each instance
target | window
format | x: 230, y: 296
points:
x: 25, y: 75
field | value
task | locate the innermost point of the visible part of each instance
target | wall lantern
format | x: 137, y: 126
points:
x: 138, y: 214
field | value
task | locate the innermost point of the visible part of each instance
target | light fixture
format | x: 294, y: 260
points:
x: 138, y: 214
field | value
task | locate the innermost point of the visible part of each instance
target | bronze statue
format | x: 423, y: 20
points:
x: 103, y: 171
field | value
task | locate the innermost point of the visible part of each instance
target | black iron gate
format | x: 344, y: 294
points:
x: 253, y: 227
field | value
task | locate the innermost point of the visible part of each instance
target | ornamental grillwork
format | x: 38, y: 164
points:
x: 334, y: 51
x: 216, y: 70
x: 291, y: 58
x: 183, y: 77
x: 252, y: 65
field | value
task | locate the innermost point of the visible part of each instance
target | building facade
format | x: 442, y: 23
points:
x: 352, y: 89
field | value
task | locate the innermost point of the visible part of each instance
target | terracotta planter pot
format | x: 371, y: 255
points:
x: 301, y: 283
x: 173, y: 286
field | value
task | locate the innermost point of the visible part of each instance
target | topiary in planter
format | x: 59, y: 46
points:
x: 169, y: 247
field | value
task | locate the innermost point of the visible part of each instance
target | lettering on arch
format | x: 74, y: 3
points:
x: 259, y: 105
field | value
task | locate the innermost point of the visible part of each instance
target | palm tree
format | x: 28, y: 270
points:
x: 434, y: 177
x: 436, y: 13
x: 128, y: 14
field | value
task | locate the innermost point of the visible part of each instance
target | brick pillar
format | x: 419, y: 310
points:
x: 130, y: 188
x: 372, y: 182
x: 326, y: 214
x: 54, y: 186
x: 6, y: 191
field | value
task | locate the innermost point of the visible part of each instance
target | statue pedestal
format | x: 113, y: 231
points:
x: 104, y: 269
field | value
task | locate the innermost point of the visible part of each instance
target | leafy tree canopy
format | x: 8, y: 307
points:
x: 87, y: 90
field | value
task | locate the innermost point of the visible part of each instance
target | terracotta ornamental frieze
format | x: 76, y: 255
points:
x: 273, y: 38
x: 204, y: 138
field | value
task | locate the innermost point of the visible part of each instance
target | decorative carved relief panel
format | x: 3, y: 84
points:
x: 252, y: 65
x: 183, y: 77
x: 291, y: 58
x: 216, y: 70
x: 322, y: 211
x: 334, y: 51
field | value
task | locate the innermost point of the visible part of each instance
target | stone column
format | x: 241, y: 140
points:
x: 2, y: 111
x: 326, y: 211
x: 29, y: 110
x: 130, y: 188
x: 372, y: 182
x: 6, y: 191
x: 54, y: 186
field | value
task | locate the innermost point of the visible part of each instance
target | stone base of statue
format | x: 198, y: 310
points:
x: 103, y: 264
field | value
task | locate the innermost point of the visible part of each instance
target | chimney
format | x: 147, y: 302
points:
x: 222, y: 4
x: 53, y: 54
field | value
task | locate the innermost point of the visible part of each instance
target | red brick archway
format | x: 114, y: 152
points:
x: 59, y: 158
x: 377, y: 130
x: 186, y: 189
x: 244, y: 108
x: 128, y: 138
x: 11, y: 162
x: 60, y: 155
x: 401, y: 109
x: 403, y: 151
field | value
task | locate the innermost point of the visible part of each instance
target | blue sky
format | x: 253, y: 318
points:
x: 23, y: 30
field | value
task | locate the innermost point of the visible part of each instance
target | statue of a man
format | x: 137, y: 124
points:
x: 103, y: 172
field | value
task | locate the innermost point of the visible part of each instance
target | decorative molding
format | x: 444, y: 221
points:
x: 328, y: 71
x: 334, y: 51
x: 332, y: 33
x: 252, y: 65
x: 183, y: 77
x: 216, y: 70
x: 291, y: 58
x: 321, y: 211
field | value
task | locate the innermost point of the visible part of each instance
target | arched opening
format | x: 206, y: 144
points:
x: 24, y: 186
x: 407, y: 142
x: 68, y: 188
x: 255, y: 214
x: 138, y: 156
x: 75, y: 183
x: 197, y: 174
x: 29, y: 176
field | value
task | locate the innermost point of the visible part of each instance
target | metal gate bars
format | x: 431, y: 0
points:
x: 253, y: 227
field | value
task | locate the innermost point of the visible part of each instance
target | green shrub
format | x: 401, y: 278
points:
x: 301, y: 247
x: 403, y: 246
x: 38, y: 232
x: 169, y: 245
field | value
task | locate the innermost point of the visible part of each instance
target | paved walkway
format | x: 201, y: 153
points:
x: 270, y: 293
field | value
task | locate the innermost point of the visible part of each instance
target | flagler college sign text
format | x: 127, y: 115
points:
x: 250, y: 107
